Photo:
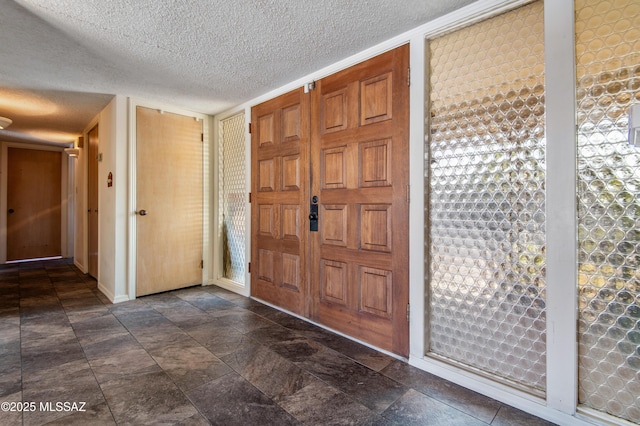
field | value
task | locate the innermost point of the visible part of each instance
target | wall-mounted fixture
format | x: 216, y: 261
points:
x: 634, y: 125
x: 72, y: 152
x: 5, y: 122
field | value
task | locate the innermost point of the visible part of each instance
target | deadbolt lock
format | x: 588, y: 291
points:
x: 313, y: 214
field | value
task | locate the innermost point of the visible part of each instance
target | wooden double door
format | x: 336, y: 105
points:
x: 329, y: 201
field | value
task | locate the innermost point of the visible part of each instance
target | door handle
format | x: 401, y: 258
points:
x: 142, y: 212
x: 313, y: 214
x: 10, y: 211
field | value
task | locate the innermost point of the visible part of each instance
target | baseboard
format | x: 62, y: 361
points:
x: 121, y: 298
x: 231, y: 286
x: 112, y: 297
x: 80, y: 266
x: 497, y: 391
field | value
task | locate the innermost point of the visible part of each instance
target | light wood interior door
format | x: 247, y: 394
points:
x: 92, y: 201
x: 280, y: 188
x: 359, y: 168
x: 34, y: 204
x: 169, y: 201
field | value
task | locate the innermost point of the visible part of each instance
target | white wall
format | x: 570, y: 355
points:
x: 112, y: 201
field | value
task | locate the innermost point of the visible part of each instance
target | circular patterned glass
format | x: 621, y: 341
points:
x: 608, y: 55
x: 487, y: 197
x: 233, y: 196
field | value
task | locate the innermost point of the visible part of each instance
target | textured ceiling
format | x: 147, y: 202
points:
x: 62, y: 60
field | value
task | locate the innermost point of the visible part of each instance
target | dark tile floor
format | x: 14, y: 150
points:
x: 200, y: 356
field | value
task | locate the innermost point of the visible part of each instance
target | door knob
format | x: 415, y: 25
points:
x: 10, y: 211
x: 142, y: 212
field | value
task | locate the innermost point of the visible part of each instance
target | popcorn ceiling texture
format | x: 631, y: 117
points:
x: 201, y: 55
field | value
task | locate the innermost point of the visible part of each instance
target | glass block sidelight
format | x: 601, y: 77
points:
x: 486, y: 211
x: 233, y: 197
x: 608, y: 83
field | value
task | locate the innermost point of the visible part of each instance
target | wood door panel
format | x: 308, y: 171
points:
x: 333, y: 111
x: 169, y: 181
x: 334, y: 168
x: 369, y: 195
x: 375, y: 163
x: 266, y: 217
x: 291, y: 173
x: 280, y: 188
x: 376, y: 99
x: 291, y: 271
x: 34, y: 203
x: 364, y: 326
x: 376, y: 227
x: 266, y: 265
x: 333, y: 282
x: 291, y: 124
x: 359, y: 146
x: 267, y: 175
x: 291, y: 222
x: 266, y: 129
x: 271, y: 151
x: 372, y: 260
x: 370, y: 133
x: 334, y: 224
x: 375, y: 291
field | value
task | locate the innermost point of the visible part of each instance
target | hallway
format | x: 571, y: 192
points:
x: 200, y: 356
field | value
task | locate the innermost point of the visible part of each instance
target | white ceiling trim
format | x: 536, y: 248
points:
x: 462, y: 17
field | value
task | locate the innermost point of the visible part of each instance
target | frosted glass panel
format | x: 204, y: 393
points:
x: 608, y: 68
x: 487, y: 198
x: 233, y: 197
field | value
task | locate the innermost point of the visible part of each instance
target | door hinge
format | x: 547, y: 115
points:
x: 408, y: 312
x: 409, y: 76
x: 201, y: 137
x: 201, y: 264
x: 249, y: 198
x: 408, y: 194
x: 249, y: 267
x: 309, y: 86
x: 249, y: 128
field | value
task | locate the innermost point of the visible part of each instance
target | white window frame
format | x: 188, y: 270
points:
x: 560, y: 402
x: 217, y: 277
